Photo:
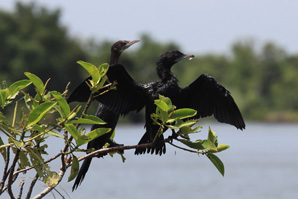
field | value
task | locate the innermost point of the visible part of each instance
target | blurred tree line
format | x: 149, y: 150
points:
x: 263, y: 81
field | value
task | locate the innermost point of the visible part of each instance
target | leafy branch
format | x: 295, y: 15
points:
x: 180, y: 120
x: 32, y: 124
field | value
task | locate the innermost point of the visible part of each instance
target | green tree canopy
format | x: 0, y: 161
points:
x: 262, y: 80
x: 33, y: 39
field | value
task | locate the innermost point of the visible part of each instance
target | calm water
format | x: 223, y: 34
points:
x: 261, y: 163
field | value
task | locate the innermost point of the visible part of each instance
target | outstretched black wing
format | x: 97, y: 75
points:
x: 81, y: 93
x: 128, y: 95
x: 210, y: 98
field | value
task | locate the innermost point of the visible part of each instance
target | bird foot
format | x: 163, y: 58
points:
x: 173, y: 136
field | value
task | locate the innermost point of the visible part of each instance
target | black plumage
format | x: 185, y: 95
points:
x: 204, y: 95
x: 82, y: 93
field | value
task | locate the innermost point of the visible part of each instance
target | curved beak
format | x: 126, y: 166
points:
x: 131, y: 43
x: 189, y: 57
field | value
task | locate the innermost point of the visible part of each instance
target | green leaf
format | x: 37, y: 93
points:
x: 181, y: 114
x: 40, y: 128
x: 24, y: 160
x: 36, y: 81
x: 83, y: 139
x: 182, y: 124
x: 36, y: 101
x: 205, y: 145
x: 51, y: 179
x: 97, y: 133
x: 37, y: 160
x: 73, y: 131
x: 2, y: 150
x: 161, y: 110
x: 188, y: 130
x: 222, y: 147
x: 15, y: 88
x: 102, y: 82
x: 195, y: 145
x: 217, y: 163
x: 3, y: 119
x: 3, y: 96
x: 161, y: 105
x: 168, y: 102
x: 37, y: 113
x: 92, y: 70
x: 89, y: 119
x: 212, y: 137
x: 94, y: 118
x: 74, y: 169
x: 84, y: 121
x: 63, y: 105
x: 71, y: 116
x: 103, y: 69
x: 18, y: 144
x: 52, y: 133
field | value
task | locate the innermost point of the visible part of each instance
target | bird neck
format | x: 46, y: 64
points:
x: 165, y: 73
x: 114, y: 57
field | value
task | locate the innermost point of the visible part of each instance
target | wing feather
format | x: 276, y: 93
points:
x: 210, y: 98
x: 128, y: 95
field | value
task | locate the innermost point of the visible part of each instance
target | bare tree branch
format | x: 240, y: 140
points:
x: 29, y: 168
x: 92, y: 154
x: 21, y: 190
x: 10, y: 177
x: 31, y: 186
x: 112, y: 149
x: 5, y: 173
x: 61, y: 174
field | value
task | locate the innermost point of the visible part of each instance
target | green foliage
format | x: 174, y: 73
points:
x: 98, y: 75
x: 167, y: 116
x: 29, y: 129
x: 33, y: 39
x: 261, y: 80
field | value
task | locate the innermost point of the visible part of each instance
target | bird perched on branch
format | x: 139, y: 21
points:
x: 82, y: 93
x: 204, y: 95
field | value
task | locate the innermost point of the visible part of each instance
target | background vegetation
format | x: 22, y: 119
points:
x: 263, y: 80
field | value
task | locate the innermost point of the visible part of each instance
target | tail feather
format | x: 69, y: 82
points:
x: 81, y: 175
x: 159, y: 147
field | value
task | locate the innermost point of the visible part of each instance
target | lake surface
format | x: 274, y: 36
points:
x: 261, y: 163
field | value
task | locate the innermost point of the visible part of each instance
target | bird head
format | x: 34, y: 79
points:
x: 121, y: 45
x: 169, y: 58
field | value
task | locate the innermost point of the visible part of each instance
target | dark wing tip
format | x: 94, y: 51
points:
x: 210, y: 98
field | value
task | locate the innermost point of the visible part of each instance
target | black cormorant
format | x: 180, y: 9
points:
x: 204, y: 95
x: 82, y: 93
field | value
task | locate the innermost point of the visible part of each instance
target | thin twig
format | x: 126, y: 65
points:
x: 31, y: 167
x: 10, y: 177
x: 61, y: 174
x: 31, y: 186
x: 21, y: 190
x: 113, y: 149
x: 94, y: 153
x: 5, y: 173
x: 183, y: 148
x: 13, y: 180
